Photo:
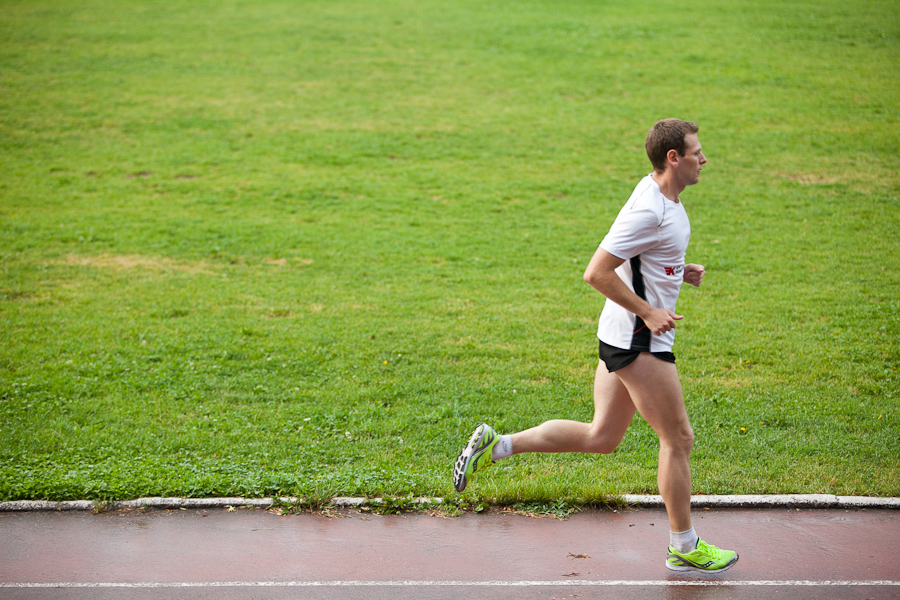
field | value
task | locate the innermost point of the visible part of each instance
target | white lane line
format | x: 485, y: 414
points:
x: 565, y: 582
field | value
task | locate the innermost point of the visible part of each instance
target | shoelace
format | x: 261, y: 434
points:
x: 709, y: 549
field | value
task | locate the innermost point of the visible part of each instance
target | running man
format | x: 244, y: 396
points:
x: 639, y: 268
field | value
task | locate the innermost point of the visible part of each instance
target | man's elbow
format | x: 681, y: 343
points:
x: 593, y: 277
x: 601, y: 269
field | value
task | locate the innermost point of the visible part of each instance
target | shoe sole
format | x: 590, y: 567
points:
x: 681, y: 569
x: 462, y: 462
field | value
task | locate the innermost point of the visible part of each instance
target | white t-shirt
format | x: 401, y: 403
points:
x: 651, y: 235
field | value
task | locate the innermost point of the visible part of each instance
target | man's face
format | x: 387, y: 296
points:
x: 690, y: 165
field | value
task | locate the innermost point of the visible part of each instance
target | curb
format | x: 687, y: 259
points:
x: 773, y: 501
x: 188, y: 503
x: 646, y: 501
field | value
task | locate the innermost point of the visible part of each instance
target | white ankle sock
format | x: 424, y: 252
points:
x: 503, y: 448
x: 684, y: 542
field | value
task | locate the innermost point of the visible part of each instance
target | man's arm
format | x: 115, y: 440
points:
x: 601, y: 274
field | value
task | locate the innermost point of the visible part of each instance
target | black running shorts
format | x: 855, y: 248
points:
x: 616, y: 358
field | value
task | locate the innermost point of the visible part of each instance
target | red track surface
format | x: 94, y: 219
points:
x: 196, y: 554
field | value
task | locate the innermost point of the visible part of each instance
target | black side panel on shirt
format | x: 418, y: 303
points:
x: 640, y: 340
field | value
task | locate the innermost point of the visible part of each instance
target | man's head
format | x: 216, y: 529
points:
x: 667, y: 134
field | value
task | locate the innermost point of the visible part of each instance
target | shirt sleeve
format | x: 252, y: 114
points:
x: 634, y: 231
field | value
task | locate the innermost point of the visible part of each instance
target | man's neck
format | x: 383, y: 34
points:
x: 669, y: 188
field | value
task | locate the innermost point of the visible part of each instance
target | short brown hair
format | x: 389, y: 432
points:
x: 667, y: 134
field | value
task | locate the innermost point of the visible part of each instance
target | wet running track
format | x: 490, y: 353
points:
x: 205, y: 554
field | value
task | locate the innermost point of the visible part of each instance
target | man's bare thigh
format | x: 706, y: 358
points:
x: 655, y: 389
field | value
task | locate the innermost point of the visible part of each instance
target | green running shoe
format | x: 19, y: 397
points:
x: 475, y: 457
x: 705, y: 558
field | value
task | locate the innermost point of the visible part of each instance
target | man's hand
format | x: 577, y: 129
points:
x: 660, y: 320
x: 693, y: 274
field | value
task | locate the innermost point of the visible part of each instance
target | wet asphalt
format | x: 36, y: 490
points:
x: 194, y: 554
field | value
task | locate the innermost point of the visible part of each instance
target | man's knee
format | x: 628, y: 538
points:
x: 680, y: 440
x: 602, y: 442
x: 688, y: 439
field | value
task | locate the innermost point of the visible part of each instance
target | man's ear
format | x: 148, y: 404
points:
x: 672, y: 157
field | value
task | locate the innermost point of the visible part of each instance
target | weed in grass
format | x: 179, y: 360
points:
x: 389, y: 506
x: 558, y: 510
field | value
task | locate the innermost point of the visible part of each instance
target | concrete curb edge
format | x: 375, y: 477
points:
x: 745, y: 501
x: 774, y: 501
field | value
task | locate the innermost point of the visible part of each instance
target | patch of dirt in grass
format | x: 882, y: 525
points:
x: 809, y: 179
x: 282, y: 262
x: 16, y: 295
x: 133, y: 261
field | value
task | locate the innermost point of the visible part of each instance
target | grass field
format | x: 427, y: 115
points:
x: 256, y: 247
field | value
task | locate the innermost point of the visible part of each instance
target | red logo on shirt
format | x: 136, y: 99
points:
x: 670, y: 271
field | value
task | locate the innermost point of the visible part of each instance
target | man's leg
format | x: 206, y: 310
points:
x: 613, y: 411
x: 652, y: 387
x: 655, y: 389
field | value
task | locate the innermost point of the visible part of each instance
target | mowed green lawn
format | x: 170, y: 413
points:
x: 265, y: 247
